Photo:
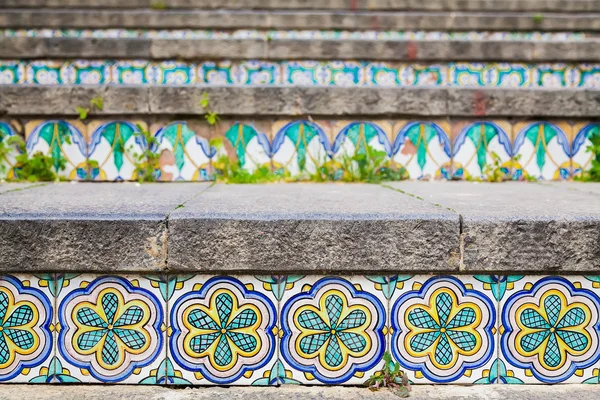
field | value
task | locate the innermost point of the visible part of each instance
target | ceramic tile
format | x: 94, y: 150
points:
x: 175, y: 73
x: 45, y: 73
x: 444, y: 328
x: 12, y: 72
x: 550, y: 330
x: 555, y: 76
x: 60, y: 138
x: 510, y: 75
x: 299, y: 148
x: 82, y: 72
x: 333, y: 330
x: 222, y: 331
x: 581, y: 158
x: 355, y: 138
x: 185, y: 154
x: 422, y: 148
x: 219, y: 73
x: 479, y: 147
x: 541, y: 150
x: 259, y: 73
x: 112, y: 329
x: 588, y: 76
x: 8, y: 161
x: 133, y: 73
x: 246, y: 143
x: 26, y: 328
x: 114, y: 148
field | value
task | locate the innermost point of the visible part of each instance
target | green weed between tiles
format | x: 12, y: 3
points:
x: 37, y: 167
x: 389, y: 377
x: 593, y: 174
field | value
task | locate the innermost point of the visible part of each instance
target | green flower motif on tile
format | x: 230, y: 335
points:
x: 168, y: 284
x: 240, y: 136
x: 498, y: 284
x: 278, y: 284
x: 278, y: 375
x: 165, y: 374
x: 420, y: 135
x: 497, y: 374
x: 54, y: 372
x: 388, y: 284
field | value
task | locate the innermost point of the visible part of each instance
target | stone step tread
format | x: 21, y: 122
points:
x: 167, y: 100
x: 291, y: 392
x: 431, y: 5
x: 300, y: 49
x: 406, y: 226
x: 303, y: 19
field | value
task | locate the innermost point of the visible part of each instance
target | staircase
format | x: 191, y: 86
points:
x: 259, y: 285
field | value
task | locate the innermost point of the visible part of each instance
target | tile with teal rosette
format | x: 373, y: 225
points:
x: 556, y: 76
x: 305, y: 73
x: 137, y: 72
x: 333, y: 330
x: 542, y: 150
x: 184, y: 154
x: 259, y: 73
x: 468, y: 74
x: 342, y: 73
x: 112, y: 329
x: 176, y: 73
x: 114, y: 149
x: 588, y: 76
x: 223, y: 331
x: 9, y: 167
x: 82, y: 72
x: 244, y: 143
x: 479, y: 147
x: 218, y: 73
x: 423, y: 148
x: 27, y: 322
x: 61, y: 140
x: 582, y: 158
x: 300, y: 148
x: 382, y: 74
x: 444, y: 329
x: 550, y: 330
x: 12, y: 72
x: 510, y: 75
x: 45, y: 73
x: 423, y: 75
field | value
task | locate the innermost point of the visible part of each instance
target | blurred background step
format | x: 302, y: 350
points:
x: 300, y: 19
x: 428, y: 5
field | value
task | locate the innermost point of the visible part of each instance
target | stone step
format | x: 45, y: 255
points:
x: 583, y: 50
x: 269, y: 101
x: 301, y: 19
x: 402, y: 5
x: 404, y: 227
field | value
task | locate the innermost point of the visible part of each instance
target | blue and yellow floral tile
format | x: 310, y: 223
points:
x: 82, y: 72
x: 246, y: 143
x: 12, y: 72
x: 480, y: 147
x: 132, y: 73
x: 353, y: 139
x: 9, y: 167
x: 175, y: 73
x: 581, y: 157
x: 423, y: 148
x: 333, y: 329
x: 111, y: 329
x: 301, y: 147
x: 114, y: 149
x: 542, y: 150
x: 223, y: 331
x: 444, y: 329
x: 550, y: 329
x: 45, y: 73
x: 26, y: 328
x: 185, y: 152
x: 60, y: 139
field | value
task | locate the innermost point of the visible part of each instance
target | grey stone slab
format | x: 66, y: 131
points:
x: 291, y: 49
x: 88, y: 226
x: 16, y: 187
x: 521, y: 227
x: 300, y: 19
x: 311, y: 228
x: 431, y: 5
x: 294, y: 392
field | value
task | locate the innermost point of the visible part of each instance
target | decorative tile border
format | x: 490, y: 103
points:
x: 294, y: 34
x: 305, y: 73
x: 105, y: 150
x: 270, y: 330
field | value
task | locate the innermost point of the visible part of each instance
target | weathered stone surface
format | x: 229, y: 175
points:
x: 24, y: 100
x: 281, y: 49
x: 444, y: 5
x: 299, y: 19
x: 88, y: 227
x: 299, y: 228
x: 521, y: 227
x: 293, y: 392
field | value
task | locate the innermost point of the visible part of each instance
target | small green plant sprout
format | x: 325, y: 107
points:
x: 495, y: 171
x: 148, y: 162
x: 37, y: 167
x: 95, y: 103
x: 158, y: 5
x: 537, y: 18
x: 389, y: 377
x: 211, y: 117
x: 593, y: 174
